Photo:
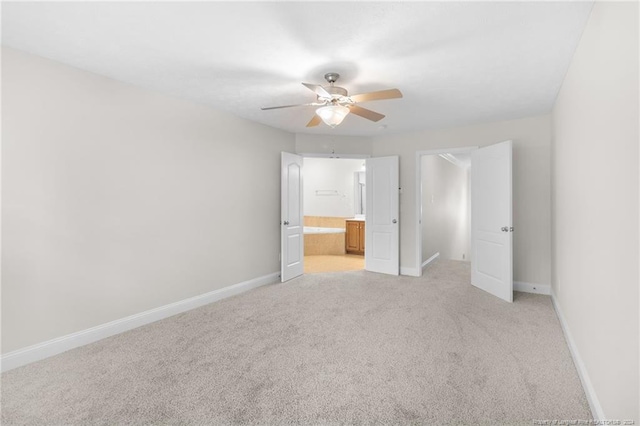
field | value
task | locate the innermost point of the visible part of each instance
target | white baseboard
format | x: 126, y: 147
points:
x: 412, y: 272
x: 417, y: 272
x: 56, y: 346
x: 532, y: 288
x: 594, y: 402
x: 431, y: 259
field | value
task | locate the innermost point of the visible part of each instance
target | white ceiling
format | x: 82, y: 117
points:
x: 456, y: 63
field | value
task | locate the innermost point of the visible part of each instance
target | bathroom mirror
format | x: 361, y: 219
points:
x: 359, y: 198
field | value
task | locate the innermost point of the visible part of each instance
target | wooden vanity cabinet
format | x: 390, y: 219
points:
x: 354, y: 239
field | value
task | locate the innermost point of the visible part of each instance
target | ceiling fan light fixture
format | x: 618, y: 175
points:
x: 332, y: 115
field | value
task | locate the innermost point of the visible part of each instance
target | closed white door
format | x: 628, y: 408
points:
x: 491, y: 220
x: 382, y: 236
x: 291, y: 220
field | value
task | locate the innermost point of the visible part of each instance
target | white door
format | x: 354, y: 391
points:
x: 381, y: 253
x: 291, y: 220
x: 491, y: 223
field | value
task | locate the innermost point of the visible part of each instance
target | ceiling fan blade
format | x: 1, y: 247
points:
x: 375, y: 96
x: 319, y: 90
x: 366, y: 113
x: 289, y: 106
x: 314, y: 121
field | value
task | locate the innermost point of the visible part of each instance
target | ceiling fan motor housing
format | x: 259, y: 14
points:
x: 337, y: 93
x: 335, y: 90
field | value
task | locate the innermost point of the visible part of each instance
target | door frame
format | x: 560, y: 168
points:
x: 418, y: 220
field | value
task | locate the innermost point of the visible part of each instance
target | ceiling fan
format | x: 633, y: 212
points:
x: 335, y: 103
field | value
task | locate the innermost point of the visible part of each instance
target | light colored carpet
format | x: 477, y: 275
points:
x: 333, y: 263
x: 348, y: 347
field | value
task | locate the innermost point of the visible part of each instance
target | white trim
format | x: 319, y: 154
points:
x: 592, y: 398
x: 412, y: 272
x: 418, y: 195
x: 532, y: 288
x: 431, y: 259
x: 58, y: 345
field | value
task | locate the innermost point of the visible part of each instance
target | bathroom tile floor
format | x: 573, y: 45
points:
x: 333, y: 263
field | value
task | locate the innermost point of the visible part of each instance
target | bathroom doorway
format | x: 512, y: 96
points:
x: 334, y: 208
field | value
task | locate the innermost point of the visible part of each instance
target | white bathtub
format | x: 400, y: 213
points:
x: 319, y: 230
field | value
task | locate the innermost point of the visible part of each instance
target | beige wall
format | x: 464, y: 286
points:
x: 531, y: 186
x: 445, y: 209
x: 117, y: 200
x: 324, y: 144
x: 595, y: 205
x: 330, y: 174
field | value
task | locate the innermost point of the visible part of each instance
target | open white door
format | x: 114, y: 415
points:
x: 291, y: 221
x: 491, y: 220
x: 382, y: 241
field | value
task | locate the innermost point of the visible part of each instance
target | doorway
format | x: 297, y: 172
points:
x: 445, y: 207
x: 489, y: 207
x: 334, y: 211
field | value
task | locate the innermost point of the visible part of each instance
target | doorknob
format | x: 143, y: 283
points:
x: 504, y: 229
x: 286, y: 222
x: 394, y: 221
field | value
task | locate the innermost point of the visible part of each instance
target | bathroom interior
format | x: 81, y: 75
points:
x: 334, y: 203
